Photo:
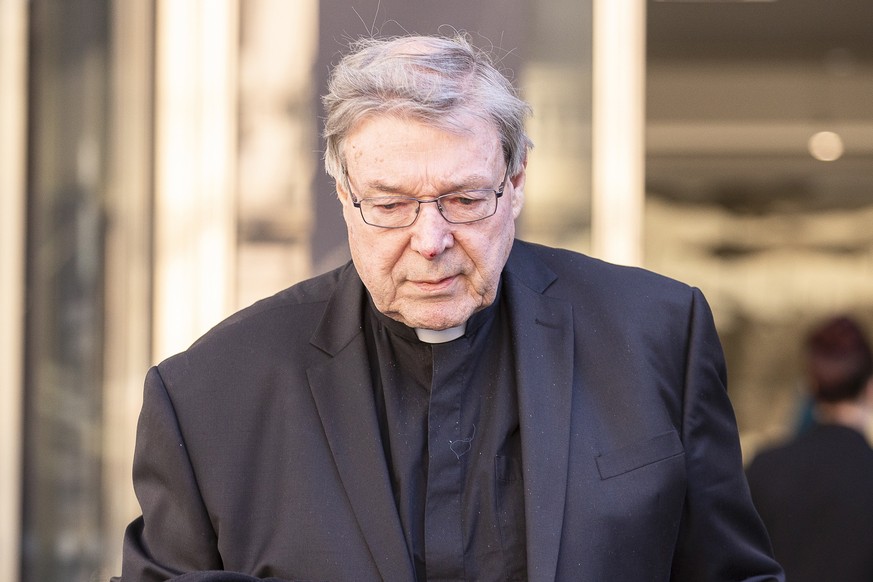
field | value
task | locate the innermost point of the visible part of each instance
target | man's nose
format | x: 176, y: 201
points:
x: 431, y: 233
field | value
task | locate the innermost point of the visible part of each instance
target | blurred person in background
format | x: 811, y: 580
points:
x: 815, y: 493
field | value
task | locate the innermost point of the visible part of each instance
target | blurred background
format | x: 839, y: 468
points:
x: 160, y: 167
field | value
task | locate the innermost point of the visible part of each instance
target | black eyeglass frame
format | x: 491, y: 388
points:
x: 497, y: 193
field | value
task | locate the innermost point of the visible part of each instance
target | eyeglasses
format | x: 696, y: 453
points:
x: 456, y: 207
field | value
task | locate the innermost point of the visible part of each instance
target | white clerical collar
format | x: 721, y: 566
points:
x: 440, y: 336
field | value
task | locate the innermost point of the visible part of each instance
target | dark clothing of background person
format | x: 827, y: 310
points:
x: 815, y: 495
x: 259, y: 448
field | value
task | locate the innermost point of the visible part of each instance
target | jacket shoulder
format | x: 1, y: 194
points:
x: 578, y: 274
x: 288, y: 316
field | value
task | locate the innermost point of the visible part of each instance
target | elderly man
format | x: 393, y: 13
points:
x: 453, y: 404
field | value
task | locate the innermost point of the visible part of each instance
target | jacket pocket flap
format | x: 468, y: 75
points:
x: 639, y: 454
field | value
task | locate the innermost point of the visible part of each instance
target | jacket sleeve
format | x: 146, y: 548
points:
x: 174, y: 534
x: 721, y: 536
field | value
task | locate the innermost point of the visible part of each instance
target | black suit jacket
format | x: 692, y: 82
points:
x: 258, y: 448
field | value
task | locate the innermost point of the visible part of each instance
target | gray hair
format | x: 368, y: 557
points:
x: 433, y: 79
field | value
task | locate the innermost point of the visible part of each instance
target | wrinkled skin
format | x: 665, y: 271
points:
x: 433, y: 274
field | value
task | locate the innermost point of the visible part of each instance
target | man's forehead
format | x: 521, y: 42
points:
x: 458, y: 123
x: 382, y: 132
x: 387, y: 153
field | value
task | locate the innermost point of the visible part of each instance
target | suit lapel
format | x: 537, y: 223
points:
x: 542, y: 329
x: 343, y: 395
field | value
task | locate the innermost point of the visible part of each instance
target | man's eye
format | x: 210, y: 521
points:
x: 465, y: 199
x: 389, y: 204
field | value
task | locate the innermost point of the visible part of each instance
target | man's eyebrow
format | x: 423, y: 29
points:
x: 474, y: 182
x: 383, y: 188
x: 471, y: 182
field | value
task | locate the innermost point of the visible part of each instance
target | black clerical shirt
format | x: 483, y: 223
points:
x: 449, y: 420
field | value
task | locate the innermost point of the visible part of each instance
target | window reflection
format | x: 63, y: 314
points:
x: 62, y: 446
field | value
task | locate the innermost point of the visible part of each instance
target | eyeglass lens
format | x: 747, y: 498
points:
x: 458, y: 208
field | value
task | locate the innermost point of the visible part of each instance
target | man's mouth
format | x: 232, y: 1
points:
x: 435, y: 285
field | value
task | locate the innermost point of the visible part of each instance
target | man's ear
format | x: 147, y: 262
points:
x: 341, y: 191
x: 517, y: 182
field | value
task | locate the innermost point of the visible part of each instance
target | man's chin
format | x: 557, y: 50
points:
x: 435, y: 318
